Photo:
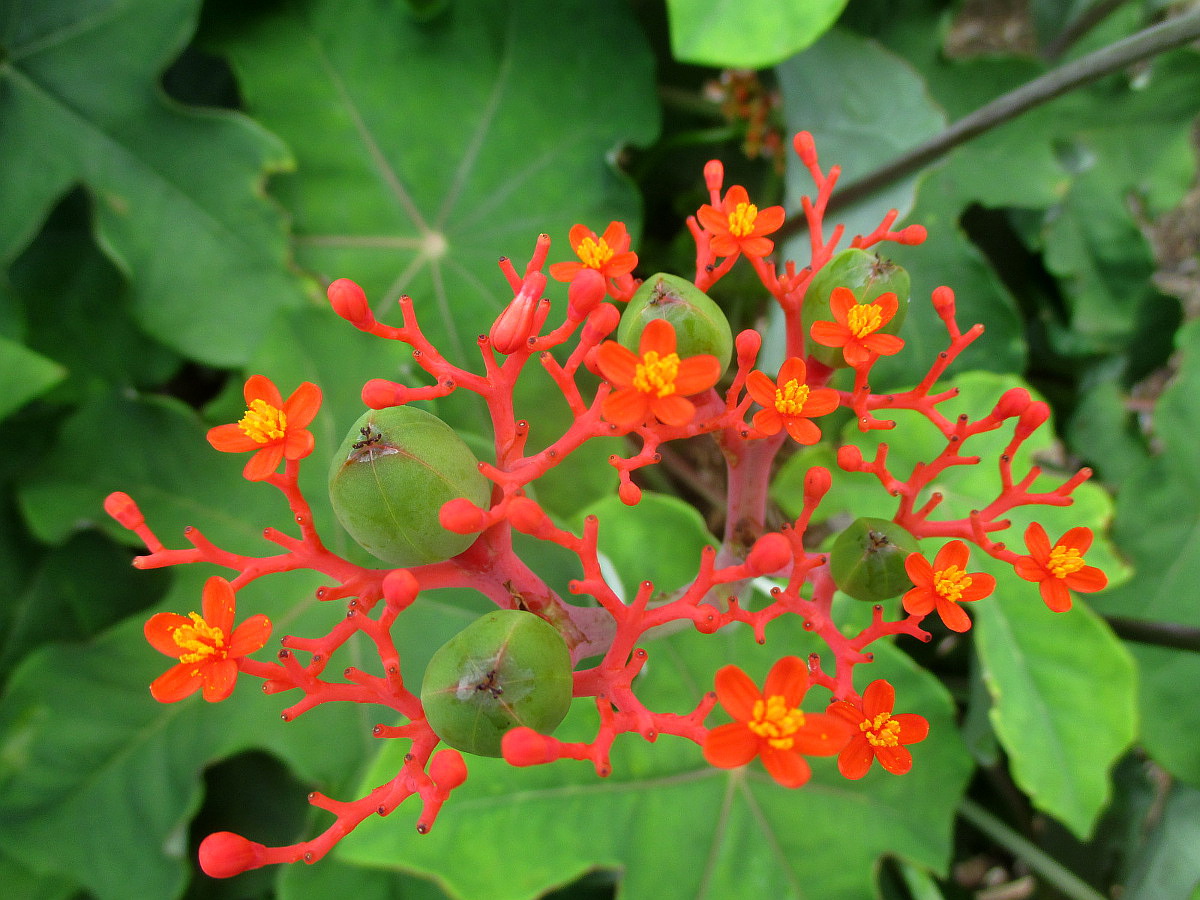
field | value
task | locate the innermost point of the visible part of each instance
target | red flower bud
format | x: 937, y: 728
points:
x: 515, y: 326
x: 523, y: 746
x: 714, y: 175
x: 770, y: 553
x: 379, y: 393
x: 849, y: 458
x: 805, y: 148
x: 911, y: 235
x: 526, y: 516
x: 943, y: 301
x: 586, y: 292
x: 1014, y: 402
x: 225, y: 854
x: 121, y: 507
x: 461, y: 516
x: 817, y: 481
x: 400, y: 588
x: 448, y: 770
x: 1034, y: 416
x: 600, y: 323
x: 747, y: 344
x: 629, y: 493
x: 350, y: 303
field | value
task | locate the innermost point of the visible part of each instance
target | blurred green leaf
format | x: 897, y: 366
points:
x: 730, y: 831
x: 1168, y: 864
x: 24, y: 375
x: 332, y: 877
x: 751, y: 34
x: 427, y: 150
x: 1158, y: 526
x: 177, y: 193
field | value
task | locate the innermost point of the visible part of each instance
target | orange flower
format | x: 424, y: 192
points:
x: 769, y: 724
x: 789, y: 402
x: 271, y: 426
x: 608, y: 254
x: 878, y: 733
x: 856, y: 326
x: 944, y: 585
x: 1059, y: 569
x: 655, y: 381
x: 739, y: 225
x: 207, y: 646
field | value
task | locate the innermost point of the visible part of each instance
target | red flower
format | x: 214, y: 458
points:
x: 769, y: 724
x: 944, y: 585
x: 878, y: 733
x: 739, y: 225
x: 207, y: 646
x: 1059, y: 569
x: 856, y: 326
x: 654, y: 382
x: 271, y: 426
x: 789, y: 402
x: 608, y: 254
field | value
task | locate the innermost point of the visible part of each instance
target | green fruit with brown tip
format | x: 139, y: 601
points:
x: 390, y: 478
x: 508, y: 668
x: 866, y: 275
x: 867, y: 559
x: 700, y: 325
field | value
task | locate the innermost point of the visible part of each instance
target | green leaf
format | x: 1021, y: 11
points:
x: 514, y: 833
x: 1158, y: 527
x: 1168, y: 865
x: 1064, y: 699
x: 332, y: 877
x: 751, y: 34
x: 451, y: 143
x: 863, y: 105
x: 629, y: 535
x: 24, y: 375
x: 153, y: 449
x: 177, y: 192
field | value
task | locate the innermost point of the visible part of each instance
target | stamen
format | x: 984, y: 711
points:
x: 790, y: 399
x: 1064, y: 561
x: 594, y: 253
x: 741, y: 220
x: 198, y: 641
x: 882, y: 731
x: 773, y: 720
x: 263, y: 422
x: 655, y: 374
x: 863, y: 319
x: 951, y: 583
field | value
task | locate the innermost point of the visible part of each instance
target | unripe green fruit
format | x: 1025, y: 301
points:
x: 507, y: 668
x: 867, y: 275
x: 867, y: 559
x: 700, y: 326
x: 391, y: 476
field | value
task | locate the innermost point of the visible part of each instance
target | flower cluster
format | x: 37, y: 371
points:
x: 649, y: 389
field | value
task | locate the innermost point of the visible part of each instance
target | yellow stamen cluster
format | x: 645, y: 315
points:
x: 790, y: 399
x: 198, y: 641
x: 863, y: 319
x: 1064, y: 561
x: 263, y: 422
x: 656, y: 374
x: 882, y: 731
x: 741, y: 220
x: 774, y: 721
x: 594, y: 253
x: 951, y: 583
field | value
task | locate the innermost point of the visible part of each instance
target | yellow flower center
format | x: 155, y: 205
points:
x: 790, y: 399
x: 882, y: 731
x: 263, y: 422
x: 741, y: 220
x: 951, y: 582
x: 199, y: 641
x: 774, y: 721
x: 656, y: 374
x: 594, y: 253
x: 1064, y: 561
x: 863, y: 319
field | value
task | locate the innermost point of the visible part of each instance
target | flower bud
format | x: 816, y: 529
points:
x: 805, y: 148
x: 225, y: 854
x: 1012, y: 403
x: 525, y: 747
x: 700, y: 326
x: 448, y: 770
x: 867, y: 559
x: 390, y: 478
x: 817, y: 481
x: 121, y: 507
x: 1034, y: 416
x: 350, y: 303
x: 526, y: 516
x: 509, y: 668
x: 516, y: 324
x: 747, y: 343
x: 379, y: 393
x: 714, y: 175
x: 461, y: 516
x: 600, y: 323
x: 770, y: 553
x: 849, y: 458
x: 585, y: 293
x: 943, y: 302
x: 911, y: 235
x: 400, y: 588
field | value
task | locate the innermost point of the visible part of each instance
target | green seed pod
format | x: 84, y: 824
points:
x: 391, y: 476
x: 507, y: 668
x: 700, y: 326
x: 867, y: 275
x: 867, y: 559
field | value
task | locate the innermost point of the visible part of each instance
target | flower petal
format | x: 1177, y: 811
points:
x: 250, y: 636
x: 262, y: 465
x: 920, y: 601
x: 953, y: 615
x: 982, y: 584
x: 217, y: 679
x: 1055, y: 594
x: 801, y: 430
x: 658, y: 336
x: 1037, y: 542
x: 761, y: 388
x: 823, y: 735
x: 821, y: 402
x: 730, y: 746
x: 1087, y: 580
x: 672, y: 409
x: 736, y: 692
x: 298, y: 444
x: 566, y: 271
x: 786, y: 766
x: 1030, y: 569
x: 913, y: 728
x: 954, y: 553
x: 788, y: 678
x: 260, y: 387
x: 160, y: 632
x: 176, y: 683
x: 617, y: 363
x: 231, y: 439
x: 841, y: 301
x: 768, y: 421
x: 302, y: 406
x: 756, y: 246
x: 219, y: 604
x: 793, y: 369
x: 856, y: 757
x: 696, y: 374
x: 879, y: 697
x: 1078, y: 538
x: 896, y: 760
x: 625, y: 407
x: 883, y: 344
